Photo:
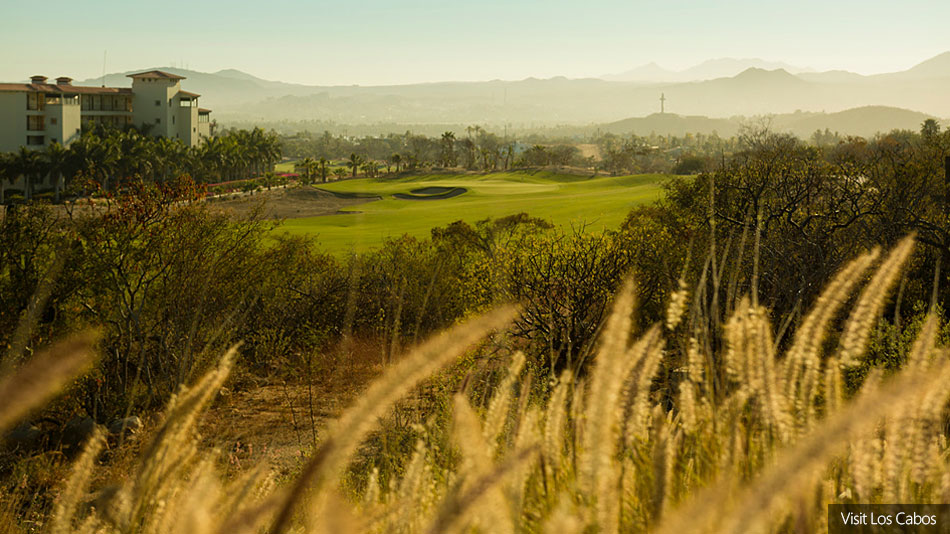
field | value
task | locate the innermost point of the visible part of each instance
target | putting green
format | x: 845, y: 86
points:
x: 564, y: 199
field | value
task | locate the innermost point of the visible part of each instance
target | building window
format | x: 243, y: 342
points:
x: 34, y: 122
x: 35, y: 101
x: 158, y: 121
x: 158, y: 102
x: 173, y: 119
x: 34, y: 140
x: 52, y: 120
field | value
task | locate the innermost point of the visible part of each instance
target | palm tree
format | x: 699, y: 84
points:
x: 308, y: 164
x: 354, y: 163
x: 448, y: 150
x: 7, y: 174
x: 396, y: 159
x: 57, y: 160
x: 96, y: 156
x: 168, y: 154
x: 323, y: 169
x: 29, y: 164
x: 369, y: 168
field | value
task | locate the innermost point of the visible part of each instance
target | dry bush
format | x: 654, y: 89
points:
x: 768, y: 450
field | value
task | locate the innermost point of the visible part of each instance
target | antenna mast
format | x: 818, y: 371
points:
x: 104, y: 67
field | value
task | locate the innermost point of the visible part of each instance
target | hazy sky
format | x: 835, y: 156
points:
x: 381, y: 42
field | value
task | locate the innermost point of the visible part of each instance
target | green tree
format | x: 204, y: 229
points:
x: 308, y: 165
x: 354, y: 162
x: 58, y: 162
x: 447, y: 155
x: 7, y: 173
x: 930, y: 129
x: 29, y: 164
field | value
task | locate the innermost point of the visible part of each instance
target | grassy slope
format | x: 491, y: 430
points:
x: 563, y: 199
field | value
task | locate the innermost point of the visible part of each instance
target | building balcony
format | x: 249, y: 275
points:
x: 105, y: 112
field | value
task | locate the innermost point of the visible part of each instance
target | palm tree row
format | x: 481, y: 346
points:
x: 110, y: 157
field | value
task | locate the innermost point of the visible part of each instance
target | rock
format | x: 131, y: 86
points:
x: 129, y: 425
x: 24, y: 437
x: 77, y: 431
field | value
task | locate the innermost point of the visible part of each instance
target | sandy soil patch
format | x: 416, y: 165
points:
x: 290, y: 203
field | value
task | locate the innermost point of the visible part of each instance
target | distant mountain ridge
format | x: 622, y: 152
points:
x: 707, y: 70
x: 864, y: 121
x: 227, y: 87
x: 238, y: 96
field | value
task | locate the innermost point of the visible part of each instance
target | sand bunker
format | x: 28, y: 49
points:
x: 431, y: 193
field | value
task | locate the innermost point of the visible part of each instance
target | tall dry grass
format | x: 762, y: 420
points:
x: 777, y: 442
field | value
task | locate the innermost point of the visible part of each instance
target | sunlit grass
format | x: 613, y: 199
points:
x: 564, y: 199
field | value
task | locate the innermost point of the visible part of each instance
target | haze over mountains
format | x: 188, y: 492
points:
x: 717, y: 89
x: 707, y: 70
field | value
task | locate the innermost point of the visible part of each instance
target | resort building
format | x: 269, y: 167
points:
x: 39, y: 113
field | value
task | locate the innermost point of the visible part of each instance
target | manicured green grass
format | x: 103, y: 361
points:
x: 563, y: 199
x: 287, y: 166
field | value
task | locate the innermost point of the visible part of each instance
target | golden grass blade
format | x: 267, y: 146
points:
x: 868, y: 308
x: 68, y: 500
x: 801, y: 367
x: 731, y: 507
x: 173, y: 448
x: 41, y: 378
x: 604, y: 411
x: 501, y: 401
x: 490, y: 511
x: 677, y: 305
x: 455, y: 508
x: 336, y: 451
x: 555, y: 423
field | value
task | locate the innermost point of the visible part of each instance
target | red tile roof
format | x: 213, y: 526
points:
x: 156, y: 74
x: 186, y: 93
x: 204, y: 110
x: 61, y: 89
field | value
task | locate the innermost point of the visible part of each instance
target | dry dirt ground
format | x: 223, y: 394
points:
x: 272, y: 420
x: 279, y: 422
x: 282, y: 203
x: 289, y: 203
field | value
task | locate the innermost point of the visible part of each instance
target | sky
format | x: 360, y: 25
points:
x: 378, y: 42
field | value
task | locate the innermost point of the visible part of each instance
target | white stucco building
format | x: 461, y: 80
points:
x: 40, y: 113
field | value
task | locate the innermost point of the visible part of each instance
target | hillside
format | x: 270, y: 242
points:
x: 864, y: 121
x: 237, y: 96
x: 707, y: 70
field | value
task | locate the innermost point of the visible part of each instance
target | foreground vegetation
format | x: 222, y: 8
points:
x: 743, y: 439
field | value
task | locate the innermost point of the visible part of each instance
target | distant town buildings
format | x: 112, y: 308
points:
x: 39, y: 113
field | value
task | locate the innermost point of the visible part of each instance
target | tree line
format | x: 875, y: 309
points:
x: 477, y: 149
x: 108, y: 158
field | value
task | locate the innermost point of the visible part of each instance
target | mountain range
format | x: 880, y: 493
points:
x: 707, y: 70
x: 760, y: 88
